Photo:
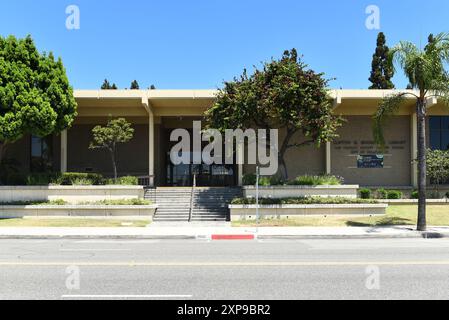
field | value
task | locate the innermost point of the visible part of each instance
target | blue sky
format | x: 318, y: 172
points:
x: 200, y: 43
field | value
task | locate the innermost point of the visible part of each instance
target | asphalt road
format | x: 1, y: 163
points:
x: 200, y: 269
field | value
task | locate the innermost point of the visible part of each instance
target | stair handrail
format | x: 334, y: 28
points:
x: 191, y: 197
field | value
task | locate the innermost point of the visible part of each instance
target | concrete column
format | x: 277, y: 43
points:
x: 64, y: 151
x: 328, y: 158
x: 414, y: 149
x: 151, y: 147
x: 239, y: 158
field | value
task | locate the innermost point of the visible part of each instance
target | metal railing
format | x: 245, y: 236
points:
x: 192, y: 194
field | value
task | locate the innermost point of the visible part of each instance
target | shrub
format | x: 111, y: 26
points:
x: 122, y: 202
x: 381, y: 193
x: 78, y: 178
x: 435, y: 195
x: 125, y: 181
x: 249, y: 179
x: 394, y: 194
x: 302, y: 200
x: 447, y: 194
x: 414, y: 195
x: 310, y: 180
x: 43, y: 179
x: 365, y: 193
x: 68, y: 178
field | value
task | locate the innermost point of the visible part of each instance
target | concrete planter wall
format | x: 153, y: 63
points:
x: 7, y: 212
x: 71, y: 194
x: 347, y: 191
x: 242, y: 212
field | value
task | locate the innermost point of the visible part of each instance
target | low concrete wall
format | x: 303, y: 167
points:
x: 347, y: 191
x: 7, y: 212
x: 71, y: 194
x: 242, y: 212
x: 414, y: 201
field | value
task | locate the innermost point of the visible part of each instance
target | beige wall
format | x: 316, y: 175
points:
x: 132, y: 156
x: 358, y: 130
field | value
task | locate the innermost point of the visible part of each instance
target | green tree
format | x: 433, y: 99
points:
x: 425, y: 70
x: 437, y: 164
x: 35, y: 95
x: 381, y: 71
x: 107, y: 85
x: 117, y: 131
x: 152, y: 87
x: 285, y: 95
x: 134, y: 85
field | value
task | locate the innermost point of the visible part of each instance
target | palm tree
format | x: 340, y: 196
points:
x: 425, y: 70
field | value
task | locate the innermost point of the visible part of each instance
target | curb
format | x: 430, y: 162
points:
x: 423, y: 235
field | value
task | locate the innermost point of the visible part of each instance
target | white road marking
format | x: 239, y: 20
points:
x: 124, y: 296
x: 93, y: 249
x: 227, y: 263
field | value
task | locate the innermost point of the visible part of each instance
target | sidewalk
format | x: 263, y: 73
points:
x: 226, y: 232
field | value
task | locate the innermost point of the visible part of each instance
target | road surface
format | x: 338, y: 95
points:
x: 201, y: 269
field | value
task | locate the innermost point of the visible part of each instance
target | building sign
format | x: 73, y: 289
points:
x: 370, y: 161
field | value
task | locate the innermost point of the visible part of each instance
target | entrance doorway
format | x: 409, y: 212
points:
x: 215, y: 175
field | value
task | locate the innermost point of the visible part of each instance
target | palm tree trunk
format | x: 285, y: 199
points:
x: 422, y: 183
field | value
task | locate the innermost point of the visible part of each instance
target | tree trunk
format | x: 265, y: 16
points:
x: 283, y: 165
x: 422, y: 179
x: 114, y: 164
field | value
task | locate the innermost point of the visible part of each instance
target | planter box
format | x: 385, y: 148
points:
x: 7, y: 212
x: 71, y: 194
x: 242, y: 212
x: 347, y: 191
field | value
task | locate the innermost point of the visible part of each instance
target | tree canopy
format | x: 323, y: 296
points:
x: 108, y: 86
x: 35, y: 95
x: 381, y: 71
x: 117, y: 131
x: 134, y: 85
x: 284, y: 94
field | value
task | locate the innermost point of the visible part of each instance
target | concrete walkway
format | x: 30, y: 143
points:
x: 214, y: 232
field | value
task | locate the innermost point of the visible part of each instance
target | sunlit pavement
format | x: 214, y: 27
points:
x: 203, y: 269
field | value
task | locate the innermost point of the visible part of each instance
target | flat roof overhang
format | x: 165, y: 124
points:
x: 92, y: 103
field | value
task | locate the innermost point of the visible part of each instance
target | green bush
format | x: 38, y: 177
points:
x: 381, y: 193
x: 249, y: 179
x: 125, y: 181
x: 302, y: 200
x: 414, y: 195
x: 365, y: 193
x: 310, y: 180
x: 78, y: 178
x: 394, y: 194
x: 447, y: 194
x: 43, y: 179
x: 68, y: 178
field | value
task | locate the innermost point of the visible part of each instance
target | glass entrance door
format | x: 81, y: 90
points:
x: 215, y: 175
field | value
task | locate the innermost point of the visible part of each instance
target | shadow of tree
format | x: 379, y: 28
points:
x: 387, y: 221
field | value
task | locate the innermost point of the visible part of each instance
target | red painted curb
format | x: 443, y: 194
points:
x: 233, y: 237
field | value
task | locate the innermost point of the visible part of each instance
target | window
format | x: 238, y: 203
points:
x: 41, y: 154
x: 439, y: 132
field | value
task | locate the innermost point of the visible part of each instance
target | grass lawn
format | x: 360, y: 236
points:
x: 396, y: 215
x: 71, y: 222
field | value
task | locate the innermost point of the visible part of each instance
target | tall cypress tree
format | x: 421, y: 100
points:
x: 381, y: 71
x: 106, y: 85
x: 134, y: 85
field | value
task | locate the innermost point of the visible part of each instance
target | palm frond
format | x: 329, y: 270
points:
x: 387, y: 108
